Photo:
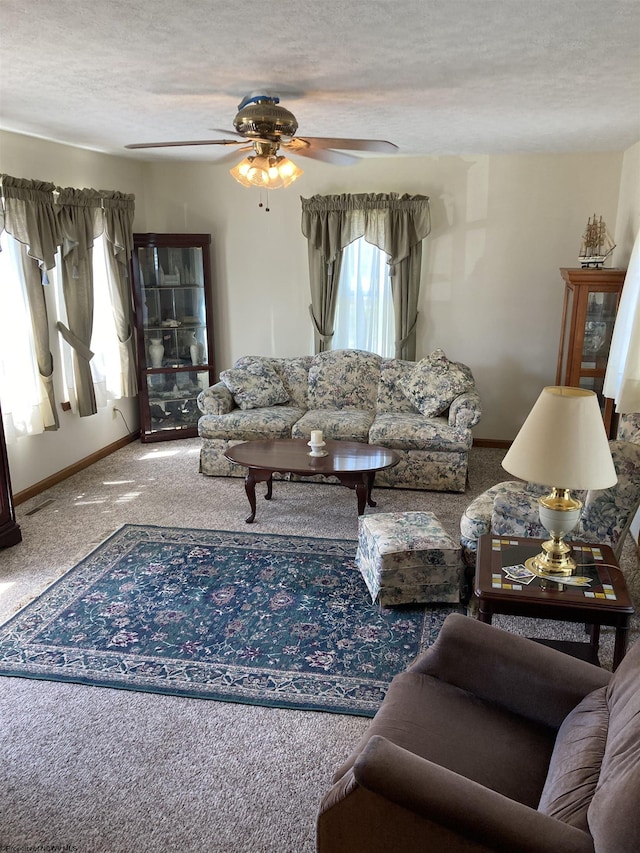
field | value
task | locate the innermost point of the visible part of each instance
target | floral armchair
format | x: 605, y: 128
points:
x: 511, y: 508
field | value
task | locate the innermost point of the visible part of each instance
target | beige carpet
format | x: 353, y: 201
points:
x: 122, y: 772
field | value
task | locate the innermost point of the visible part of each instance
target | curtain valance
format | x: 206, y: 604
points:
x: 29, y: 215
x: 389, y: 221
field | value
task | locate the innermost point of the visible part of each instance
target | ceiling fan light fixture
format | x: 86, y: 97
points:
x: 272, y: 173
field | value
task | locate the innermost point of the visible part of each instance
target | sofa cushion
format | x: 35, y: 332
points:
x: 409, y: 431
x: 435, y: 382
x: 344, y: 379
x: 255, y: 386
x: 252, y: 425
x: 575, y: 764
x: 340, y: 425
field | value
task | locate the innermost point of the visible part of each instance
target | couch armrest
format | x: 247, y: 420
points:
x: 527, y: 678
x: 466, y: 410
x: 216, y: 400
x: 475, y: 814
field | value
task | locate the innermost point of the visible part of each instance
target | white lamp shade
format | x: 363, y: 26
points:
x: 563, y: 442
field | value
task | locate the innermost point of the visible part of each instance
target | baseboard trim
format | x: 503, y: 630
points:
x: 80, y: 465
x: 492, y: 442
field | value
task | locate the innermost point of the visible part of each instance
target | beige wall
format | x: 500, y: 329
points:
x: 491, y: 294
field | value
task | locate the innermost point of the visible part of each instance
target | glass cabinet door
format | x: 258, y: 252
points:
x: 590, y: 305
x: 172, y: 290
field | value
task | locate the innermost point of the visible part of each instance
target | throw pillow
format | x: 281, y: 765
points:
x: 434, y: 383
x: 254, y: 386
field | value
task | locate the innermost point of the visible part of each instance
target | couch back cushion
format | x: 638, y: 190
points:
x: 391, y: 397
x: 614, y: 812
x: 344, y: 379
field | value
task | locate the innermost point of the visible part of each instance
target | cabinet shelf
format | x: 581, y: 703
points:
x: 174, y: 329
x: 591, y: 299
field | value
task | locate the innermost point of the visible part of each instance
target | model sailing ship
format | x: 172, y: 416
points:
x: 596, y: 244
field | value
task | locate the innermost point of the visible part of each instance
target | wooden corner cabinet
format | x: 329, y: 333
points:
x: 174, y: 331
x: 9, y: 528
x: 591, y: 299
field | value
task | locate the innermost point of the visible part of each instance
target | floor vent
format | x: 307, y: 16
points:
x: 39, y: 507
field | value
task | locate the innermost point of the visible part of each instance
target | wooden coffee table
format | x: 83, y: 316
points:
x: 605, y: 601
x: 353, y: 463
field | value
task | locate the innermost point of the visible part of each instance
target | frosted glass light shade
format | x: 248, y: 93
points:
x: 563, y: 442
x: 268, y: 172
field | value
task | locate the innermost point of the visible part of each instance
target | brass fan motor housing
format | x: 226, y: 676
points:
x: 265, y: 120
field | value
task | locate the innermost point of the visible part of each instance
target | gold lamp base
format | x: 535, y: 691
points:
x: 559, y: 514
x: 554, y: 559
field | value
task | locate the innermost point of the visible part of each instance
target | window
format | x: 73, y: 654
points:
x: 106, y: 365
x: 364, y: 311
x: 25, y: 406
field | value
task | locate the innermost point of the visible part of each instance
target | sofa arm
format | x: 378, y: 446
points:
x: 216, y: 400
x: 466, y: 410
x: 456, y: 811
x: 527, y: 678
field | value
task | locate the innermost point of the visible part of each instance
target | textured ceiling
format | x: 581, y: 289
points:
x: 434, y: 76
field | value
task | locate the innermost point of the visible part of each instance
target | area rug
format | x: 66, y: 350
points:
x: 283, y: 621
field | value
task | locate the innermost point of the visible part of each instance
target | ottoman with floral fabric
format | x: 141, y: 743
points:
x: 408, y: 558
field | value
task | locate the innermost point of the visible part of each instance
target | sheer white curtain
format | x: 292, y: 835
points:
x: 364, y: 309
x: 26, y: 409
x: 622, y: 379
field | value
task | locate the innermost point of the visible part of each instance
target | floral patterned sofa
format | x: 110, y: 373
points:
x: 424, y: 410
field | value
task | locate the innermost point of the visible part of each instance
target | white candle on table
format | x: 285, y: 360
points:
x: 316, y: 436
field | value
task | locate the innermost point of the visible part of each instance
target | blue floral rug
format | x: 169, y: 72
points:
x: 284, y: 621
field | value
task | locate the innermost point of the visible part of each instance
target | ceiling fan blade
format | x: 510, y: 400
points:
x: 189, y: 142
x: 337, y: 158
x: 379, y: 145
x: 230, y: 156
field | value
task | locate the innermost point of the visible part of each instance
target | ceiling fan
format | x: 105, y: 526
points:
x: 264, y: 127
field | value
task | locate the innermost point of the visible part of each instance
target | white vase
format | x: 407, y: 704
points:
x: 195, y: 350
x: 156, y: 352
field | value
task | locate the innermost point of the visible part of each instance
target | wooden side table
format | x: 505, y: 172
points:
x: 605, y: 602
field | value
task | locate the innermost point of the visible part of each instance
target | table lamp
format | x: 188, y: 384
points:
x: 562, y: 444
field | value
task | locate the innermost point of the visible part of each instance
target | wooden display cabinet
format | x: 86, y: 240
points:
x: 9, y: 528
x: 591, y: 299
x: 174, y: 331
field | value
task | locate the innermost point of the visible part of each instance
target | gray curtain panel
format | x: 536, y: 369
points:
x: 80, y: 216
x: 395, y: 224
x: 118, y: 210
x: 30, y: 217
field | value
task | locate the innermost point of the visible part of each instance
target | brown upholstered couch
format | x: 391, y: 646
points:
x: 493, y: 742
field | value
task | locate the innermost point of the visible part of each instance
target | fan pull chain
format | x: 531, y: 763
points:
x: 267, y: 208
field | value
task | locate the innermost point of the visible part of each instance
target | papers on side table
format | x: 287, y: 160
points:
x: 522, y: 575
